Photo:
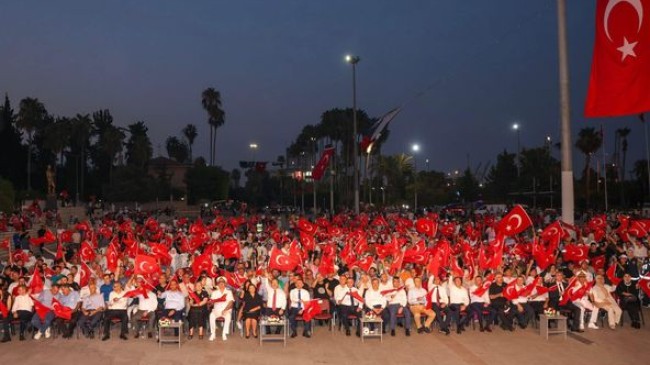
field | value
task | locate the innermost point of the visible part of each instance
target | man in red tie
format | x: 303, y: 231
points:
x: 276, y: 302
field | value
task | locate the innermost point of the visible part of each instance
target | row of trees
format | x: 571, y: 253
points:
x: 94, y: 157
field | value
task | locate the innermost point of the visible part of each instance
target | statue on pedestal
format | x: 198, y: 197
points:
x: 50, y: 174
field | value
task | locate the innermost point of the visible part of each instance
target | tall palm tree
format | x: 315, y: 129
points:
x: 623, y: 133
x: 112, y: 143
x: 211, y: 101
x: 589, y: 141
x: 82, y: 127
x: 190, y: 134
x: 57, y: 137
x: 31, y: 116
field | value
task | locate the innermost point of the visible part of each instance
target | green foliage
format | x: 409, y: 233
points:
x: 138, y: 146
x: 7, y: 196
x: 176, y: 149
x: 206, y: 182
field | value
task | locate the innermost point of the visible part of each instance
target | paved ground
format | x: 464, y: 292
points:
x: 594, y: 347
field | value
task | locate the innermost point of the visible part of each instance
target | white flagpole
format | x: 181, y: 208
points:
x: 565, y: 114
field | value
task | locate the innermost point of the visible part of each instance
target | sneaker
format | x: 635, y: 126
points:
x: 37, y: 335
x: 212, y: 337
x: 224, y: 337
x: 47, y: 333
x: 239, y: 327
x: 592, y: 326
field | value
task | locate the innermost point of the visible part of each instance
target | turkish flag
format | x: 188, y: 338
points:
x: 86, y: 251
x: 326, y: 266
x: 65, y: 236
x: 307, y: 240
x: 230, y: 249
x: 319, y: 169
x: 84, y: 275
x: 611, y: 274
x: 426, y: 226
x: 397, y: 263
x: 483, y: 288
x: 510, y: 291
x: 41, y: 310
x: 637, y: 229
x: 312, y: 309
x: 433, y: 267
x: 36, y: 284
x: 598, y: 262
x: 201, y: 263
x: 576, y: 253
x: 4, y: 310
x: 306, y: 226
x: 279, y: 260
x: 620, y: 71
x: 644, y: 284
x: 137, y: 291
x: 515, y: 222
x: 145, y: 265
x: 60, y: 310
x: 59, y: 252
x: 111, y: 257
x: 364, y: 264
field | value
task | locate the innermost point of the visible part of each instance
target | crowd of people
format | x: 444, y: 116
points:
x: 416, y: 273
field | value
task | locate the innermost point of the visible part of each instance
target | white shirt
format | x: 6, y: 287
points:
x: 121, y: 302
x: 296, y: 302
x: 342, y: 296
x: 397, y: 297
x: 484, y: 298
x: 374, y: 298
x: 147, y: 304
x: 417, y: 296
x: 387, y: 286
x: 280, y: 299
x: 520, y: 299
x: 458, y: 295
x: 441, y: 297
x: 220, y: 306
x: 22, y: 303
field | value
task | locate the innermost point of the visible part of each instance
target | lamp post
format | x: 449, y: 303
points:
x: 313, y: 163
x: 515, y: 127
x: 415, y: 149
x: 253, y: 147
x: 353, y: 60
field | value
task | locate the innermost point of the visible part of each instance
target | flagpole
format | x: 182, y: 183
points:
x: 565, y: 115
x: 355, y: 147
x: 647, y: 150
x: 602, y: 136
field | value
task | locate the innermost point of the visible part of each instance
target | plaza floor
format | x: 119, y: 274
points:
x: 604, y: 346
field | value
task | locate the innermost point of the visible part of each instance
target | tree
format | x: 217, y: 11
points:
x: 502, y: 178
x: 211, y: 101
x: 138, y: 146
x: 206, y: 182
x: 235, y: 176
x: 111, y: 143
x: 12, y: 166
x: 190, y: 134
x: 176, y: 149
x: 588, y: 142
x: 57, y: 136
x: 31, y: 116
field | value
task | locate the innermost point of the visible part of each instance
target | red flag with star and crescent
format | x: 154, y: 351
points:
x: 620, y: 71
x: 515, y: 222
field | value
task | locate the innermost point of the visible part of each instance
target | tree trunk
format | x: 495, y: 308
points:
x: 214, y: 146
x: 587, y: 179
x: 210, y: 158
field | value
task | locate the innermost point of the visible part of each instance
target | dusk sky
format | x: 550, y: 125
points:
x: 280, y: 64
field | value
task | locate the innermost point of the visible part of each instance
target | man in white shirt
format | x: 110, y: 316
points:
x: 116, y: 308
x: 348, y: 306
x: 298, y: 297
x: 222, y: 308
x: 92, y: 307
x: 524, y: 312
x: 376, y: 303
x: 440, y: 305
x: 146, y: 309
x: 458, y: 302
x: 417, y: 300
x: 397, y: 306
x: 480, y: 303
x: 276, y: 302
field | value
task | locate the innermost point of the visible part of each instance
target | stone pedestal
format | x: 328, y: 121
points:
x: 51, y: 202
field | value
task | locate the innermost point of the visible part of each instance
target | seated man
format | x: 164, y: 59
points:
x: 276, y: 302
x: 376, y: 303
x: 628, y: 294
x: 146, y: 309
x: 397, y: 305
x: 555, y: 294
x: 500, y: 303
x: 417, y: 300
x: 537, y: 300
x: 582, y: 301
x: 603, y: 299
x: 523, y: 311
x: 440, y: 304
x: 223, y: 303
x: 69, y: 298
x: 43, y: 325
x: 116, y: 309
x: 92, y: 307
x: 347, y: 305
x: 297, y: 297
x: 480, y: 303
x: 458, y: 302
x: 22, y: 309
x: 174, y: 302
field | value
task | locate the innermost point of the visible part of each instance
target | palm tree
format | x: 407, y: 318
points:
x: 211, y: 101
x: 112, y: 143
x: 623, y: 133
x: 57, y: 137
x: 31, y: 116
x: 176, y: 149
x: 190, y: 134
x: 588, y: 142
x: 81, y: 130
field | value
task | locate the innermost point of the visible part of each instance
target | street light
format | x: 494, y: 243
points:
x: 253, y: 147
x: 415, y: 148
x: 353, y: 60
x: 515, y: 127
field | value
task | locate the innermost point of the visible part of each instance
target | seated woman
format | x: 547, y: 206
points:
x: 198, y: 309
x: 5, y: 304
x: 251, y: 308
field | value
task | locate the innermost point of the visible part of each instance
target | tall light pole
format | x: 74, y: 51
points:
x: 353, y: 60
x: 515, y: 127
x: 415, y: 149
x: 253, y: 147
x: 565, y: 115
x: 313, y: 163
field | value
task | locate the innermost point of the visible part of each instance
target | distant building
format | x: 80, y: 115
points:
x: 171, y: 169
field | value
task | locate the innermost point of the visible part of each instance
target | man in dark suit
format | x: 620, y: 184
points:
x: 554, y: 298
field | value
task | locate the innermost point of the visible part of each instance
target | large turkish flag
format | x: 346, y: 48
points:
x: 620, y: 72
